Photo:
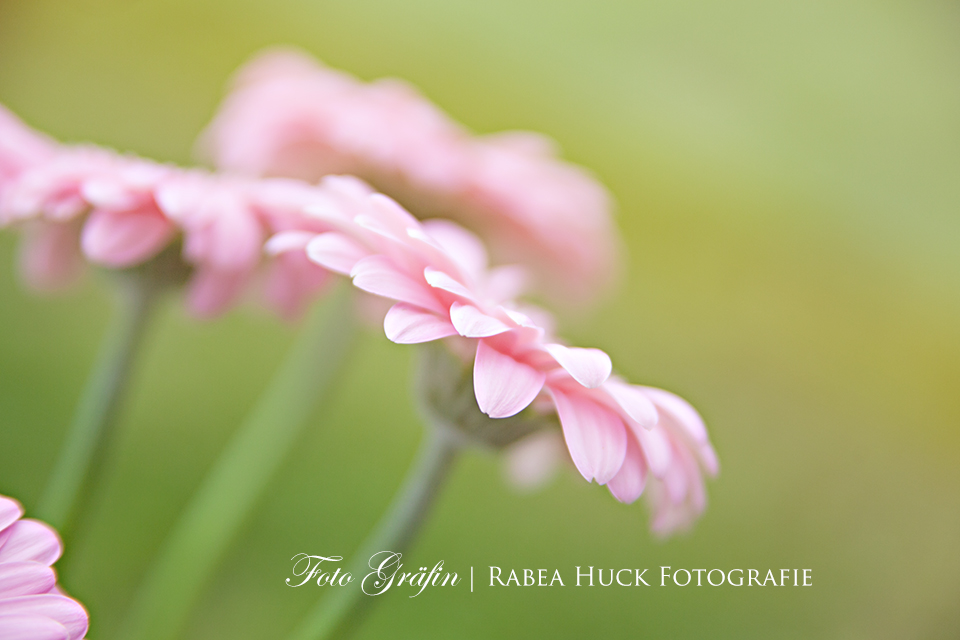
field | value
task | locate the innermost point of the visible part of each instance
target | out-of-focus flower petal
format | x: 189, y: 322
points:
x: 628, y: 484
x: 50, y: 258
x: 709, y: 458
x: 211, y: 292
x: 656, y: 449
x: 463, y: 246
x: 506, y: 282
x: 531, y: 462
x: 110, y: 194
x: 236, y: 238
x: 289, y: 241
x: 634, y: 401
x: 684, y: 414
x: 291, y: 281
x: 124, y: 239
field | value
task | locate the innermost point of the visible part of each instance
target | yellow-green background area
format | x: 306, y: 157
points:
x: 788, y: 179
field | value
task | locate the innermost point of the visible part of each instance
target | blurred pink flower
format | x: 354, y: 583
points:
x: 288, y: 115
x: 113, y: 194
x: 82, y: 203
x: 31, y: 605
x: 436, y: 273
x: 225, y: 221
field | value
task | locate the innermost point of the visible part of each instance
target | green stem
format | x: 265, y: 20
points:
x: 338, y: 614
x: 233, y: 486
x: 78, y: 468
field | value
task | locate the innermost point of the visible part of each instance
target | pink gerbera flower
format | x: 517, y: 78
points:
x: 81, y: 204
x: 289, y: 115
x: 31, y: 605
x: 618, y: 434
x: 91, y: 199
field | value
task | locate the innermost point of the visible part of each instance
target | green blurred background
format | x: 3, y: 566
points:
x: 788, y: 175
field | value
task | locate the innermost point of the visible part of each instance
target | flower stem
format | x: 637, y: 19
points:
x: 78, y: 468
x: 338, y: 614
x: 233, y: 486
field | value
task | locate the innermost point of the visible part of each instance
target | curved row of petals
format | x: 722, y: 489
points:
x: 31, y: 605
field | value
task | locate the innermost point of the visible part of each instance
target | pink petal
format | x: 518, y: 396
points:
x: 532, y: 462
x: 697, y: 491
x: 25, y: 578
x: 420, y: 243
x: 470, y: 322
x: 290, y: 281
x: 210, y: 292
x: 440, y: 280
x: 288, y: 241
x: 380, y: 276
x: 336, y: 252
x: 596, y: 437
x: 684, y: 414
x: 17, y: 627
x: 633, y: 401
x: 66, y: 208
x: 406, y: 324
x: 628, y: 484
x: 111, y: 194
x: 388, y: 211
x: 676, y: 480
x: 50, y: 257
x: 669, y: 518
x: 503, y: 386
x: 709, y: 458
x: 380, y: 227
x: 31, y: 541
x: 520, y: 318
x: 10, y: 509
x: 463, y: 247
x: 505, y: 283
x: 60, y: 608
x: 327, y: 212
x: 589, y: 367
x: 180, y: 196
x: 124, y: 239
x: 142, y: 175
x: 236, y: 238
x: 656, y: 450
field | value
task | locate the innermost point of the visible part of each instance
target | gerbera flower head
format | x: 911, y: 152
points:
x: 618, y: 434
x: 83, y: 204
x: 288, y: 115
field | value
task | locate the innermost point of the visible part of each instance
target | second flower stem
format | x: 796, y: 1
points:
x: 338, y: 614
x: 239, y: 477
x: 78, y: 467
